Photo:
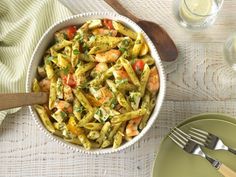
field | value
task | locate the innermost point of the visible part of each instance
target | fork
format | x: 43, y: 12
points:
x: 209, y: 140
x: 185, y: 142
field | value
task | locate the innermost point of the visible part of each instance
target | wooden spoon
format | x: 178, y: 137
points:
x: 14, y: 100
x: 164, y: 44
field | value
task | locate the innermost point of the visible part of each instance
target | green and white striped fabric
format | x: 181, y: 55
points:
x: 22, y: 23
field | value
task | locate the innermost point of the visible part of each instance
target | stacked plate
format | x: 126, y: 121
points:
x: 171, y: 161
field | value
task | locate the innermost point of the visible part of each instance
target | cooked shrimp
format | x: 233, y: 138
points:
x: 45, y: 85
x: 121, y: 74
x: 108, y: 56
x: 99, y: 68
x: 102, y: 31
x: 132, y: 127
x: 153, y: 81
x: 65, y: 106
x: 104, y: 95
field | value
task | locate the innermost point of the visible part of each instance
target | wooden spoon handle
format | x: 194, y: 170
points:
x: 14, y: 100
x: 121, y: 10
x: 226, y: 171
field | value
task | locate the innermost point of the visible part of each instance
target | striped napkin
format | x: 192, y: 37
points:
x: 22, y: 23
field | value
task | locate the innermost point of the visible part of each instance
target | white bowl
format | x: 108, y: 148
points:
x: 80, y: 19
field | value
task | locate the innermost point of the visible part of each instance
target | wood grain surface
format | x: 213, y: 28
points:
x: 199, y: 81
x: 14, y: 100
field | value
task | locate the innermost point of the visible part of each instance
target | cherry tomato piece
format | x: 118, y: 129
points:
x: 69, y: 80
x: 138, y: 66
x: 108, y: 23
x: 70, y: 31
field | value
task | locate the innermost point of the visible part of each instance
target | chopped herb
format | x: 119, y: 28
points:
x: 80, y: 109
x: 113, y: 103
x: 63, y: 114
x: 76, y: 52
x: 85, y: 48
x: 48, y: 60
x: 126, y: 42
x: 121, y: 81
x: 142, y: 74
x: 122, y: 50
x: 84, y: 85
x: 92, y: 39
x: 99, y: 112
x: 64, y: 36
x: 81, y: 39
x: 65, y: 70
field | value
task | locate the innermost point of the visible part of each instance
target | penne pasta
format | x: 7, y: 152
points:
x: 36, y: 87
x: 83, y: 100
x: 119, y: 136
x: 68, y: 51
x: 148, y: 60
x: 124, y: 30
x: 128, y: 116
x: 53, y: 52
x: 98, y: 80
x: 49, y: 69
x: 52, y: 94
x: 146, y: 103
x: 105, y: 143
x: 59, y: 88
x: 137, y: 45
x: 82, y: 69
x: 44, y: 117
x: 62, y: 44
x: 114, y: 130
x: 87, y: 118
x: 120, y: 97
x: 103, y: 133
x: 102, y: 84
x: 77, y: 109
x: 86, y: 57
x: 144, y: 79
x: 144, y: 49
x: 75, y: 53
x: 85, y: 142
x: 93, y: 135
x: 93, y: 126
x: 130, y: 72
x: 62, y: 61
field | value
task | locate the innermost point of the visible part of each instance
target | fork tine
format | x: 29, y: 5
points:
x: 179, y: 137
x: 197, y: 139
x: 183, y: 133
x: 198, y: 142
x: 200, y: 131
x: 176, y: 133
x: 198, y: 134
x: 178, y: 143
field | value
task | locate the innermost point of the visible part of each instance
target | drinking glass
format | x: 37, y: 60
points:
x: 197, y: 14
x: 230, y: 51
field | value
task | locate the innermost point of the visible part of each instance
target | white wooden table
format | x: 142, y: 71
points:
x: 199, y: 81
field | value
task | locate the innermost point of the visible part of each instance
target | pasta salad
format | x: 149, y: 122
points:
x: 102, y: 84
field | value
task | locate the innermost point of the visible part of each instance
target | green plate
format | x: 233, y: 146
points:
x: 217, y: 116
x: 174, y: 162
